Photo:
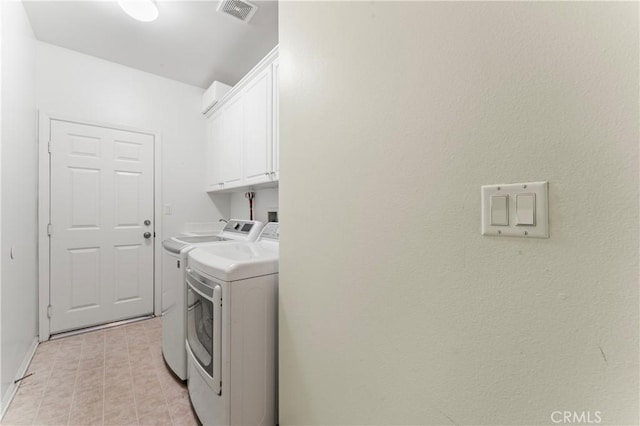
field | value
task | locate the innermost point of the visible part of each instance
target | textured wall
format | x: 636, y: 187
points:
x: 265, y: 200
x: 396, y: 310
x: 19, y: 192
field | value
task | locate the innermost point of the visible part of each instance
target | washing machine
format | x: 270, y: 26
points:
x: 232, y: 323
x: 174, y: 260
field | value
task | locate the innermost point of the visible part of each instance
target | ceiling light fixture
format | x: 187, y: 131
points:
x: 141, y: 10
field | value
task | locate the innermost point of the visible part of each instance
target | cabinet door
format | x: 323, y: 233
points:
x: 257, y: 129
x: 231, y: 155
x: 276, y: 120
x: 215, y: 135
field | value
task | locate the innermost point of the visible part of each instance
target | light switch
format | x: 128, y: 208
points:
x: 500, y: 210
x: 515, y: 210
x: 526, y: 209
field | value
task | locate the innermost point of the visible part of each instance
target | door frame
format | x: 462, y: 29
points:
x: 44, y: 212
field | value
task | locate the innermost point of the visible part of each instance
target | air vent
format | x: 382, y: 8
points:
x: 242, y: 10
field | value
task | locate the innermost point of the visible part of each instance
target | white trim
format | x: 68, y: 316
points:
x: 44, y: 199
x: 157, y: 225
x: 13, y: 387
x: 43, y: 221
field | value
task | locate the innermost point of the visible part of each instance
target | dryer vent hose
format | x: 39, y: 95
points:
x: 250, y: 196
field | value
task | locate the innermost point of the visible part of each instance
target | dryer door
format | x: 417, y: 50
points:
x: 204, y: 327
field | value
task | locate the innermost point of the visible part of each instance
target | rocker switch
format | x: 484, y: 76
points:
x: 526, y: 209
x: 500, y: 210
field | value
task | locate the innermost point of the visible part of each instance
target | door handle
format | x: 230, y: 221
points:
x: 147, y: 235
x: 147, y: 222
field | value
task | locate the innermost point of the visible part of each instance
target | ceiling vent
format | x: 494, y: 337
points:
x: 240, y: 9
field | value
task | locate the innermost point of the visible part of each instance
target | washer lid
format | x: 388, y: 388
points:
x: 235, y: 261
x: 173, y: 246
x: 199, y: 239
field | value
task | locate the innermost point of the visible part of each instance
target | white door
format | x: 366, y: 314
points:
x: 257, y: 129
x: 101, y: 264
x: 215, y: 139
x: 231, y: 155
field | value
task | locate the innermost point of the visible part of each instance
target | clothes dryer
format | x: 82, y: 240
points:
x: 232, y: 331
x: 174, y: 260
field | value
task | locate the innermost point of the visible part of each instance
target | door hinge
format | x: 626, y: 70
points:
x: 49, y: 311
x: 49, y: 147
x: 178, y: 264
x: 49, y: 229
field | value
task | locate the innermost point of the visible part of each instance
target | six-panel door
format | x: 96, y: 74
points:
x: 102, y: 186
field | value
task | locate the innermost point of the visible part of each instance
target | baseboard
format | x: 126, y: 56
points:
x: 13, y: 388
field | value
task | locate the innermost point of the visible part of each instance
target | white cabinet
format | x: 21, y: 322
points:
x: 215, y: 132
x: 224, y: 149
x: 242, y: 143
x: 257, y: 129
x: 231, y: 153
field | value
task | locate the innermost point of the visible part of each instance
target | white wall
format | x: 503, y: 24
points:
x: 18, y: 313
x: 396, y: 310
x: 265, y: 200
x: 88, y: 88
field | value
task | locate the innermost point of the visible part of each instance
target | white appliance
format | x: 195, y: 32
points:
x: 214, y: 93
x: 174, y: 260
x: 232, y: 323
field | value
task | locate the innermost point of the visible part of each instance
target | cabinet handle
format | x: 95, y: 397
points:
x: 267, y: 174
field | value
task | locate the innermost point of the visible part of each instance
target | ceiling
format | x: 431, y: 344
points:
x: 189, y: 42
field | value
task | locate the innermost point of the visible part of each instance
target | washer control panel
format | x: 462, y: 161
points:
x: 242, y: 229
x: 271, y: 231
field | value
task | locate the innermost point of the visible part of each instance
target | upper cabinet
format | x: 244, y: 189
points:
x: 242, y: 140
x: 257, y: 128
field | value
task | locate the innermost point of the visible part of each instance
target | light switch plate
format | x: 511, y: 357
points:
x: 540, y: 229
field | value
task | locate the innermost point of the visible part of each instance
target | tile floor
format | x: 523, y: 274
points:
x: 108, y: 377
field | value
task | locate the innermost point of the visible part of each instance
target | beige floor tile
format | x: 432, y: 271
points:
x: 146, y: 380
x: 179, y: 408
x: 122, y: 415
x: 62, y: 382
x: 158, y: 417
x: 86, y: 418
x: 54, y: 407
x: 117, y: 373
x: 149, y: 403
x: 94, y: 337
x: 115, y: 400
x: 189, y: 419
x: 68, y: 365
x: 118, y: 392
x: 88, y: 397
x: 58, y: 420
x: 20, y: 415
x: 31, y: 391
x: 90, y: 364
x: 27, y: 397
x: 115, y: 347
x: 87, y: 379
x: 113, y: 363
x: 90, y: 379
